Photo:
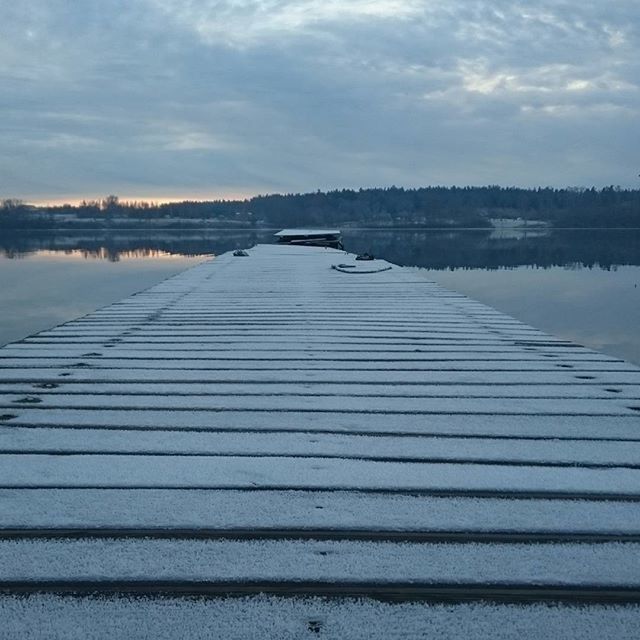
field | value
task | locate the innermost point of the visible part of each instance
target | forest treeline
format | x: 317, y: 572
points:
x: 393, y: 207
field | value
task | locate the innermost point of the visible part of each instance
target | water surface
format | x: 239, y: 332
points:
x: 43, y: 289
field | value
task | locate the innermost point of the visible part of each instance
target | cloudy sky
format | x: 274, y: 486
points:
x: 202, y: 98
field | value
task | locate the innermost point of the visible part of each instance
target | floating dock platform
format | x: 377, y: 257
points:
x: 266, y: 424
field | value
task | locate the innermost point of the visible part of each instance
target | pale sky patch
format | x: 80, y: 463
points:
x: 245, y: 23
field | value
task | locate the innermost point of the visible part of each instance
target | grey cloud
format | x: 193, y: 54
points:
x: 204, y: 97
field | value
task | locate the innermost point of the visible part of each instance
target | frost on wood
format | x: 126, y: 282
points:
x: 104, y: 618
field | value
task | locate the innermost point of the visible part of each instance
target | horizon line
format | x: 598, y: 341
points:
x: 240, y: 196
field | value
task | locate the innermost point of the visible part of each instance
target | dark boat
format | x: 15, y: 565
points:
x: 311, y: 237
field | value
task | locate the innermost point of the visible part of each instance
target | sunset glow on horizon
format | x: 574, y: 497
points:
x: 163, y: 199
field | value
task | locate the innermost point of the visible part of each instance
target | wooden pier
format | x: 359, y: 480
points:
x: 268, y: 424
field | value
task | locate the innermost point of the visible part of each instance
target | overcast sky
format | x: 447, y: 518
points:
x: 204, y: 98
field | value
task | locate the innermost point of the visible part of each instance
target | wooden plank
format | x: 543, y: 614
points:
x: 278, y: 472
x: 327, y: 364
x: 382, y: 448
x: 259, y: 616
x: 161, y: 375
x: 467, y: 425
x: 325, y: 389
x: 343, y: 512
x: 613, y: 406
x: 330, y: 562
x: 342, y: 355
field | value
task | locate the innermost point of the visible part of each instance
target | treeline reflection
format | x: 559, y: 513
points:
x: 422, y: 248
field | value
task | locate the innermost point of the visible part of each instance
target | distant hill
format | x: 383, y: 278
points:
x: 428, y: 207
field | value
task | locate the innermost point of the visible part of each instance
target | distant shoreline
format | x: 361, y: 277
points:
x: 50, y: 230
x: 488, y: 207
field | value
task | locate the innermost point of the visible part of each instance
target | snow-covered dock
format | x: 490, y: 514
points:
x: 268, y: 424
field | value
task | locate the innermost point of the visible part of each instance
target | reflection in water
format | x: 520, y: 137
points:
x: 480, y: 249
x: 433, y: 249
x: 50, y: 288
x: 117, y: 245
x: 102, y: 253
x: 514, y: 233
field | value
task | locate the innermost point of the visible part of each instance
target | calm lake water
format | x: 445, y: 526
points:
x: 582, y: 285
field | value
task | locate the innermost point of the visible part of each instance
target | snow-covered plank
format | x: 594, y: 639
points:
x: 424, y: 448
x: 266, y: 306
x: 306, y: 364
x: 148, y: 618
x: 160, y: 375
x: 334, y: 562
x: 523, y: 426
x: 612, y: 406
x: 343, y: 512
x: 325, y: 327
x: 240, y: 347
x: 182, y: 334
x: 277, y: 472
x: 300, y: 352
x: 342, y: 389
